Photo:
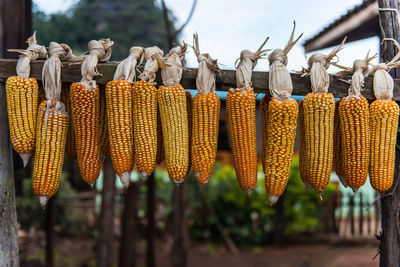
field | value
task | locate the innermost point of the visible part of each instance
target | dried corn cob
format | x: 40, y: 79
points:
x: 189, y: 107
x: 173, y: 111
x: 354, y: 124
x: 282, y: 122
x: 206, y: 106
x: 51, y: 130
x: 319, y: 112
x: 70, y: 148
x: 264, y: 124
x: 85, y: 110
x: 337, y: 147
x: 22, y: 100
x: 145, y: 113
x: 383, y: 122
x: 302, y: 158
x: 241, y: 107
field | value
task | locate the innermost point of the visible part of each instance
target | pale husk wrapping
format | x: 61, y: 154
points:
x: 126, y: 70
x: 172, y: 65
x: 151, y: 54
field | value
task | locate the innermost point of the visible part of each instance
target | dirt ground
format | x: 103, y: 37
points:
x: 80, y: 253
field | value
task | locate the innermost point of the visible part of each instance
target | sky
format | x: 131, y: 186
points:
x: 226, y: 27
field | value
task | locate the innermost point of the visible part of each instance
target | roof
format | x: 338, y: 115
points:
x: 358, y: 23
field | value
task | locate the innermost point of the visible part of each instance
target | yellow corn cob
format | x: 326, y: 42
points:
x: 85, y: 115
x: 160, y: 143
x: 302, y: 157
x: 354, y: 123
x: 281, y: 132
x: 174, y: 120
x: 384, y: 119
x: 189, y: 107
x: 337, y: 147
x: 120, y: 126
x: 319, y: 111
x: 264, y: 122
x: 22, y: 99
x: 49, y: 156
x: 104, y: 139
x: 145, y: 126
x: 204, y: 135
x: 70, y: 144
x: 240, y: 108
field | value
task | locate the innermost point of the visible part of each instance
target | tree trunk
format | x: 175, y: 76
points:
x: 50, y: 221
x: 151, y: 228
x: 106, y: 237
x: 8, y: 215
x: 127, y: 250
x: 178, y: 252
x: 389, y: 239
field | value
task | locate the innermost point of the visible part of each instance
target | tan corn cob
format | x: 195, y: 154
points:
x: 85, y: 102
x: 174, y: 118
x: 264, y: 124
x: 22, y: 101
x: 240, y: 108
x: 337, y: 147
x: 302, y: 151
x: 51, y: 130
x: 103, y: 131
x: 383, y: 122
x: 70, y: 148
x: 354, y: 125
x: 282, y: 123
x: 206, y: 107
x: 319, y: 112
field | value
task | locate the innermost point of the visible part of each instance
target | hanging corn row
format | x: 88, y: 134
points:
x: 135, y: 121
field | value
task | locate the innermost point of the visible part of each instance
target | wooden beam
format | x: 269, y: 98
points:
x: 301, y: 86
x: 389, y: 246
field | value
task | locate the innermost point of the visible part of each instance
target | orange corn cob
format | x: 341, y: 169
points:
x: 319, y: 111
x: 281, y: 132
x: 302, y: 157
x: 104, y: 139
x: 145, y: 126
x: 264, y: 124
x: 174, y: 120
x: 189, y: 106
x: 383, y: 121
x: 70, y: 148
x: 337, y: 147
x: 85, y: 115
x: 354, y: 123
x: 22, y: 99
x: 120, y: 126
x: 49, y: 156
x: 204, y: 135
x: 240, y: 108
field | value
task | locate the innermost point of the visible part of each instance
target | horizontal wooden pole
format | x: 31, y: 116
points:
x: 71, y: 72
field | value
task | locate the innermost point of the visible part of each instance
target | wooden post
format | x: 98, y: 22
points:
x: 50, y: 221
x: 361, y: 215
x: 178, y: 252
x: 8, y: 215
x: 106, y: 237
x: 279, y: 221
x: 351, y: 214
x: 151, y: 227
x: 390, y: 237
x: 127, y: 250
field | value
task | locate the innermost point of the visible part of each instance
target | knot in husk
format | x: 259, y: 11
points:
x: 98, y: 51
x: 318, y: 64
x: 33, y: 52
x: 151, y: 67
x: 126, y: 70
x: 280, y: 82
x: 69, y: 56
x: 172, y: 65
x: 205, y: 80
x: 245, y: 65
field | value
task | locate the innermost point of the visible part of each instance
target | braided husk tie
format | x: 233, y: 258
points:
x: 33, y: 52
x: 318, y: 63
x: 98, y: 51
x: 245, y: 65
x: 280, y: 83
x: 126, y: 70
x: 172, y: 65
x: 205, y: 80
x: 151, y: 67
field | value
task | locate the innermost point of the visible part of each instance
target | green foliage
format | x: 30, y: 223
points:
x: 126, y: 22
